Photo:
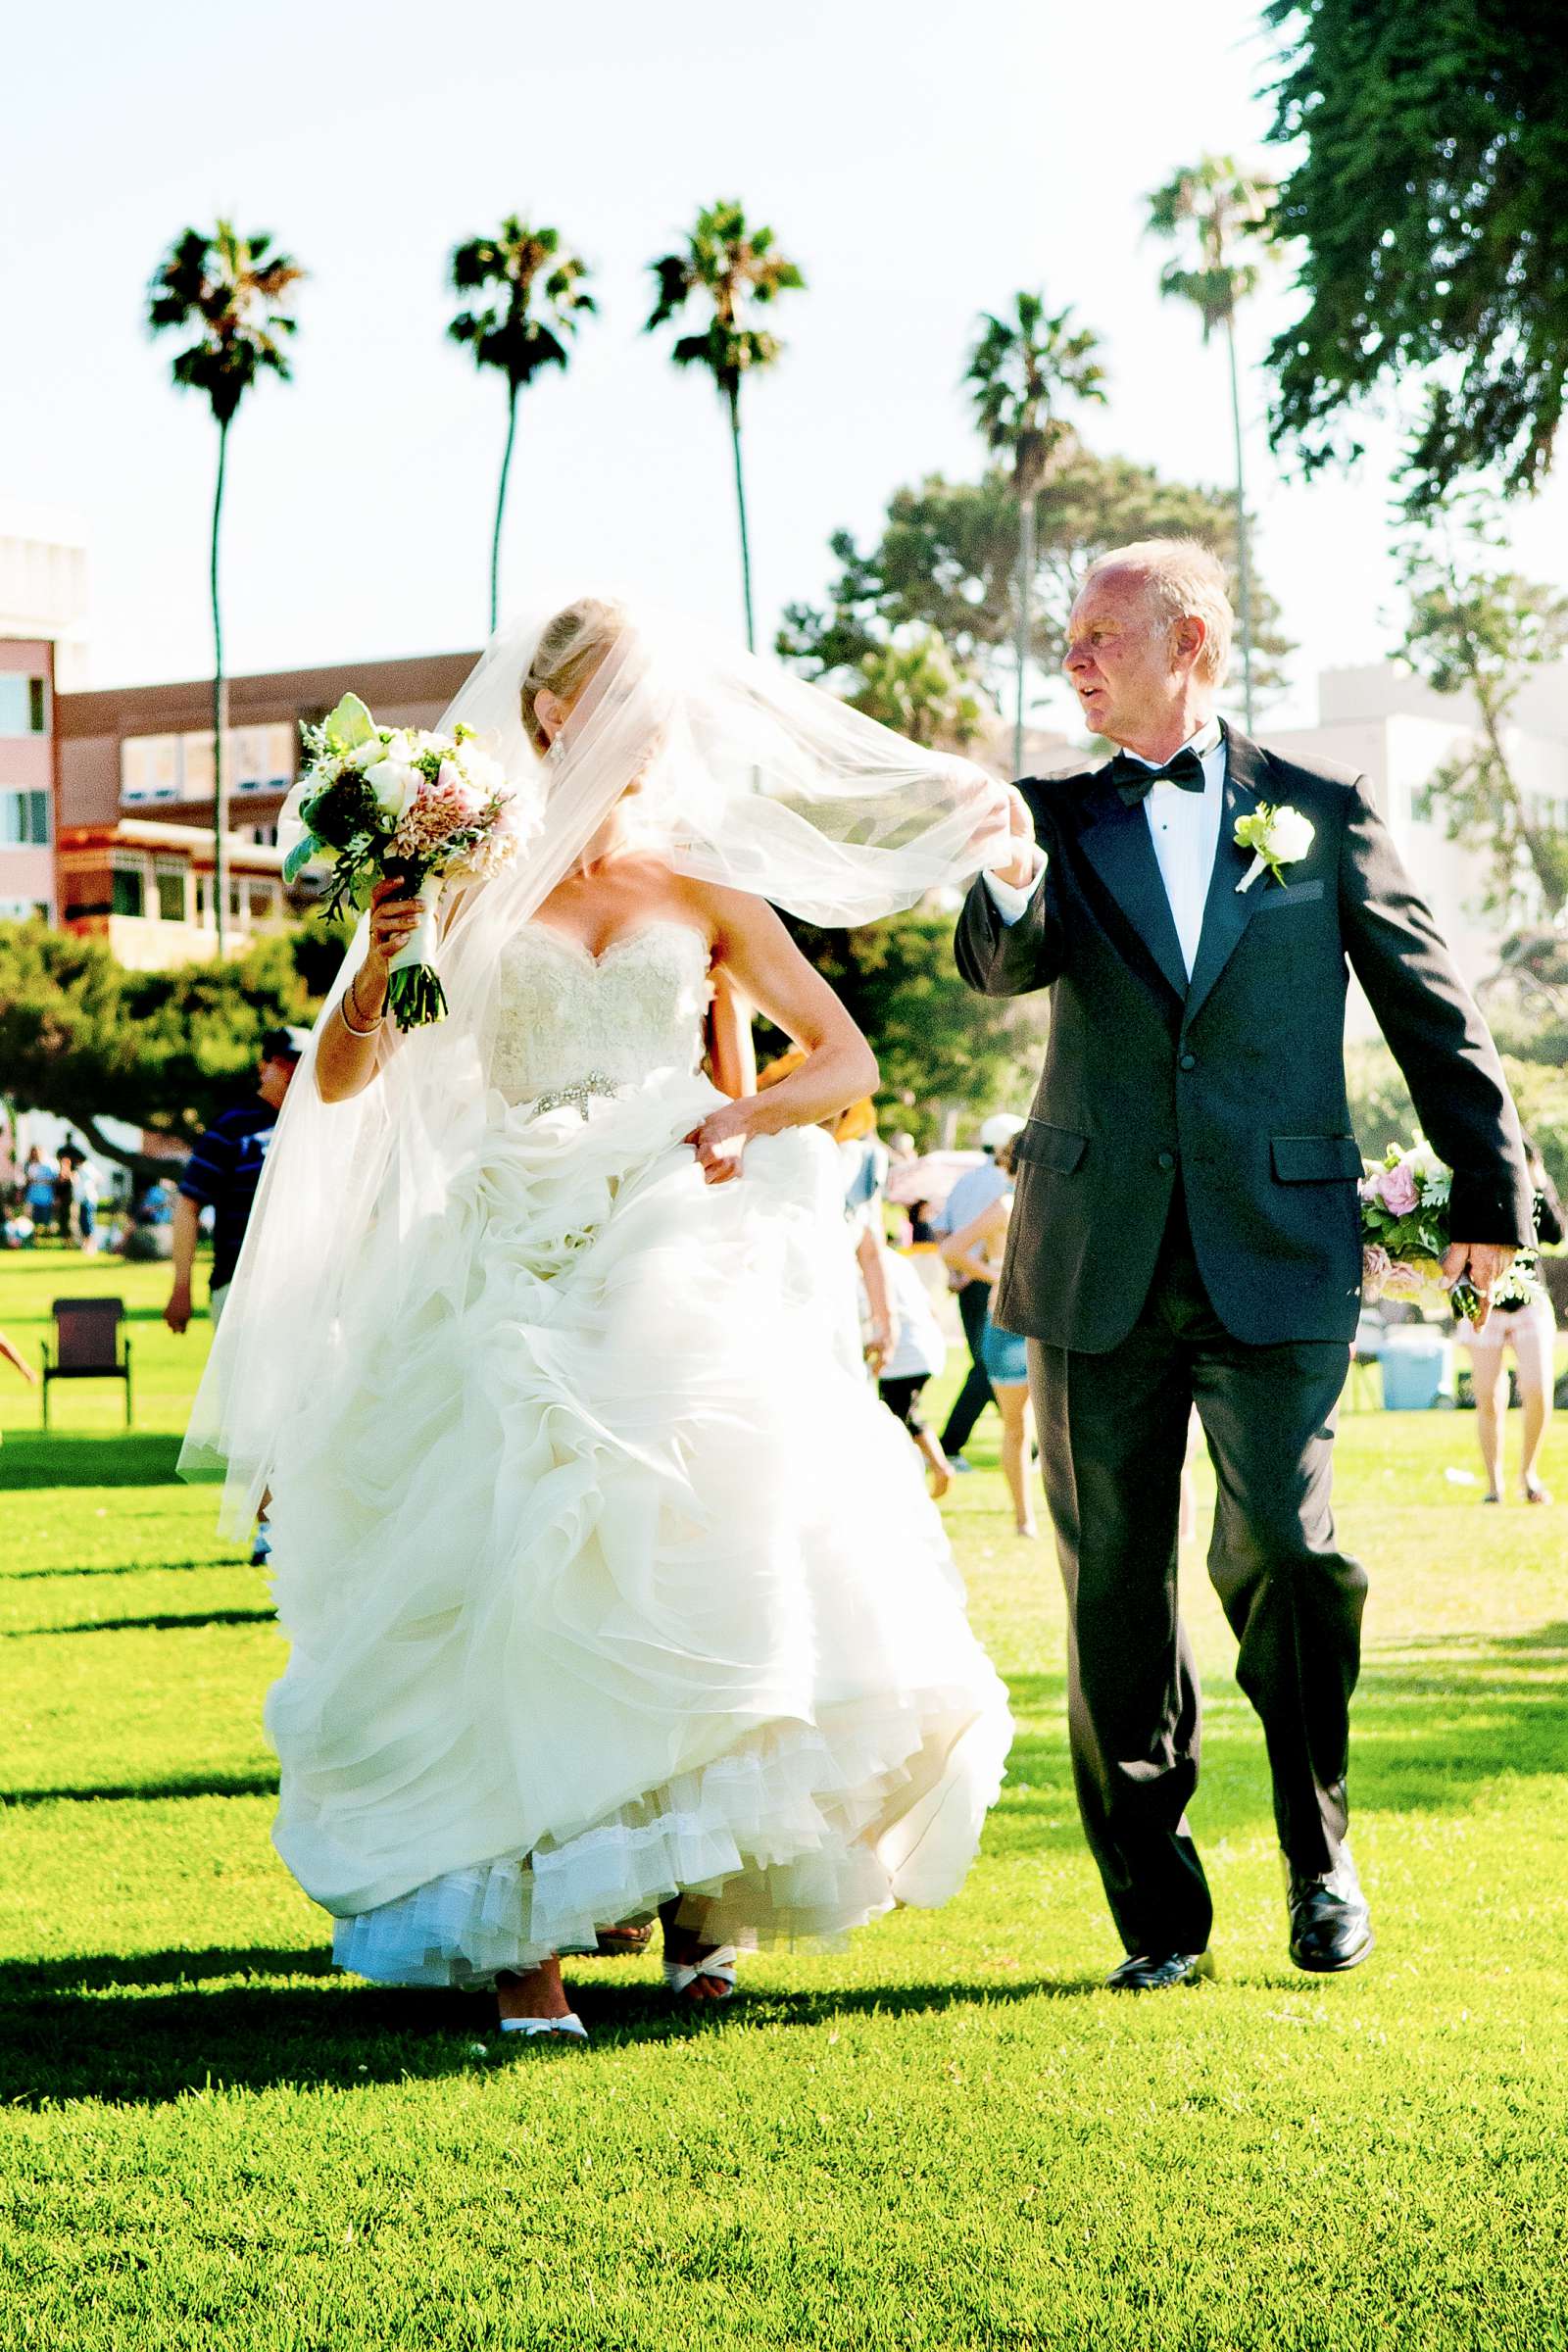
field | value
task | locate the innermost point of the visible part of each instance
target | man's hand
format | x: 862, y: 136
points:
x: 1482, y: 1265
x: 1021, y: 868
x: 178, y: 1313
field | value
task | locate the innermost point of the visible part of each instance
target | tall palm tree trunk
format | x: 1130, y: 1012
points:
x: 1026, y: 575
x: 1244, y: 566
x: 740, y: 503
x: 501, y: 507
x: 220, y: 703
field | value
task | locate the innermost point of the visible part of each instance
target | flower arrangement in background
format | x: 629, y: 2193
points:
x: 1405, y: 1232
x: 399, y: 804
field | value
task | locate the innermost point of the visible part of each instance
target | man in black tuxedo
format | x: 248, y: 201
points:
x: 1186, y: 1226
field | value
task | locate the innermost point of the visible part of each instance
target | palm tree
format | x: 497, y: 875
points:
x: 1225, y: 215
x: 510, y: 332
x: 731, y: 264
x: 1021, y: 370
x: 232, y: 289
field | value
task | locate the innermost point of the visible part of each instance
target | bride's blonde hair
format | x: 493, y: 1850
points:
x: 569, y: 649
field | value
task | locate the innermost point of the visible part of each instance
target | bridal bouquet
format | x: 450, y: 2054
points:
x: 1405, y: 1232
x: 399, y: 804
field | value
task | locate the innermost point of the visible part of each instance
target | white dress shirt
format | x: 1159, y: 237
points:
x: 1184, y: 827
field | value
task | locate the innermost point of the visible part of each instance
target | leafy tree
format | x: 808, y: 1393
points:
x: 1224, y: 215
x: 83, y: 1038
x: 1434, y: 147
x: 537, y: 296
x: 913, y: 685
x: 947, y: 559
x: 1478, y: 628
x: 937, y: 1042
x: 727, y: 266
x: 1023, y: 370
x: 232, y: 289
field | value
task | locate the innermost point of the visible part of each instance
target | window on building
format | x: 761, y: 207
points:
x: 149, y: 768
x: 204, y: 899
x: 263, y: 901
x: 24, y: 820
x: 129, y: 892
x: 170, y: 881
x: 23, y: 704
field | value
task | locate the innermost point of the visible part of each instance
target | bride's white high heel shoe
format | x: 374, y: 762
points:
x: 570, y: 2026
x: 719, y: 1964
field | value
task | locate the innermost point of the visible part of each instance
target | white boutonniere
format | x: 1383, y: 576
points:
x: 1277, y: 837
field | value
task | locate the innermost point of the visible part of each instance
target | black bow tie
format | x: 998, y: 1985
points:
x: 1134, y: 782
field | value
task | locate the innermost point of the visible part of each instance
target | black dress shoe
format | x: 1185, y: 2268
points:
x: 1156, y: 1972
x: 1331, y: 1925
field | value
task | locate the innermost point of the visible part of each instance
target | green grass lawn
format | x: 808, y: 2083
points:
x: 945, y: 2136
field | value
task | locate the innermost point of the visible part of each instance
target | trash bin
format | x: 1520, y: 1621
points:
x: 1415, y: 1368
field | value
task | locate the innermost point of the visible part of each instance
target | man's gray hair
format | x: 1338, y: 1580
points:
x: 1182, y: 576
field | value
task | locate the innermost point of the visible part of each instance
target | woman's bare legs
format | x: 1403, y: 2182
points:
x: 1488, y: 1377
x: 1534, y: 1352
x: 1012, y: 1403
x: 936, y: 1462
x: 539, y: 1993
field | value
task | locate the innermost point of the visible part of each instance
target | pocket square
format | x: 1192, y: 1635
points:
x: 1293, y: 893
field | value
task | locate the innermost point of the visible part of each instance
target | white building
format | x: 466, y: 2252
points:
x: 1397, y: 731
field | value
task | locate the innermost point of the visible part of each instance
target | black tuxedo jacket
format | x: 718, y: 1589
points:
x: 1234, y: 1079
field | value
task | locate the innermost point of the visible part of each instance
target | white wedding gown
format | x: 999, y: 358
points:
x: 607, y: 1576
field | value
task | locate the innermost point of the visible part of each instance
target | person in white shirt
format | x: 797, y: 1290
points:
x: 917, y: 1353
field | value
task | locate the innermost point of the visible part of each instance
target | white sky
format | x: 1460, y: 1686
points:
x: 920, y: 160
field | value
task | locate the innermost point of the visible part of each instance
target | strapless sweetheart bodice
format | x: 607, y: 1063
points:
x: 565, y: 1015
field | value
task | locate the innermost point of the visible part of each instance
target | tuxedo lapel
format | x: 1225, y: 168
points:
x: 1227, y: 911
x: 1118, y: 844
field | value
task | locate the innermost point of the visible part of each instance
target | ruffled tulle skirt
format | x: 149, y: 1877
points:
x: 607, y: 1577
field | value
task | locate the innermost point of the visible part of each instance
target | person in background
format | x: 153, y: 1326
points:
x: 38, y: 1191
x: 924, y: 1229
x: 918, y: 1353
x: 1532, y: 1333
x: 222, y: 1173
x: 976, y: 1252
x: 87, y: 1190
x: 10, y: 1354
x: 975, y: 1190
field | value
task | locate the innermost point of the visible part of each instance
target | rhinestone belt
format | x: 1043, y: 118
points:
x: 580, y: 1093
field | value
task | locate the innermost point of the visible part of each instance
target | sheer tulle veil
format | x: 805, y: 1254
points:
x: 738, y: 773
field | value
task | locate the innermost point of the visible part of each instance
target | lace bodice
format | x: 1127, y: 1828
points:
x: 562, y: 1013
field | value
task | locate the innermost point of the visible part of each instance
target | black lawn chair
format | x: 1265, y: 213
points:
x: 88, y: 1345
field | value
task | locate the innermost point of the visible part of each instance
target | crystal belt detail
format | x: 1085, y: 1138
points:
x: 580, y: 1092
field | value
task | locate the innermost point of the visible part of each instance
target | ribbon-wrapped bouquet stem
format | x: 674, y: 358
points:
x: 399, y: 804
x: 1405, y: 1229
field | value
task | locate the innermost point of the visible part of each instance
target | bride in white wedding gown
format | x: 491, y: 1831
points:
x: 608, y: 1583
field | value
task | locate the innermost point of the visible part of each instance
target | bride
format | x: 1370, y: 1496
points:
x: 609, y: 1585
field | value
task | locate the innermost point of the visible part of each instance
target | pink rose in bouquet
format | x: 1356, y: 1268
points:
x: 1397, y: 1190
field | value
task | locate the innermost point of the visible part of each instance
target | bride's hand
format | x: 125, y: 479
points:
x: 720, y: 1140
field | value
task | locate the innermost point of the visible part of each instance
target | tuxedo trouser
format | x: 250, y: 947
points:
x: 974, y: 1302
x: 1113, y: 1437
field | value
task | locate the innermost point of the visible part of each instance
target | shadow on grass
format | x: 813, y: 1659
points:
x: 171, y: 1623
x: 21, y: 1576
x: 63, y: 2035
x: 141, y: 1792
x: 34, y: 1458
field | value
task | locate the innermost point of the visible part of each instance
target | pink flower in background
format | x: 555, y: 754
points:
x: 1376, y: 1267
x: 1405, y: 1281
x: 1396, y: 1188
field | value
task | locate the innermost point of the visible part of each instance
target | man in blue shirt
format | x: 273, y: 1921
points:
x: 969, y: 1198
x: 222, y: 1173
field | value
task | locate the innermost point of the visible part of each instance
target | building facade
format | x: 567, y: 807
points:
x: 133, y: 850
x: 1396, y: 732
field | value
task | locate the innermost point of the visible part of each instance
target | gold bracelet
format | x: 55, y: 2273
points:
x: 349, y: 998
